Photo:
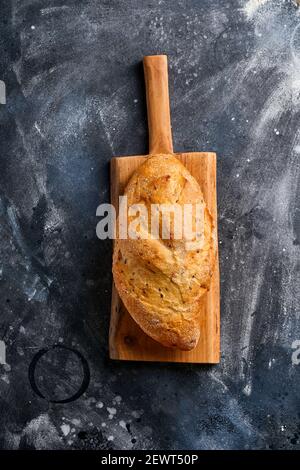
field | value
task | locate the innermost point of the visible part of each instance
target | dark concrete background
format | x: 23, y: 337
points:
x: 75, y: 98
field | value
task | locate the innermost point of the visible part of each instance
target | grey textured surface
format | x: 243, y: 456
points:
x: 75, y: 98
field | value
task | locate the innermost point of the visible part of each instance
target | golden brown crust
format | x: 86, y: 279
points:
x: 161, y: 281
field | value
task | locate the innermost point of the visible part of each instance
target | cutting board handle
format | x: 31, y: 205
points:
x: 158, y: 104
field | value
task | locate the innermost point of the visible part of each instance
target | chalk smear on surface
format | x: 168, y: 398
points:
x: 252, y: 6
x: 41, y: 434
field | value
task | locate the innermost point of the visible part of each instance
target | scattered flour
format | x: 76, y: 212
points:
x: 40, y: 433
x: 252, y: 6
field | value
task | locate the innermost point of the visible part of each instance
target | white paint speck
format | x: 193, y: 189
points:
x: 247, y: 390
x: 297, y: 149
x: 111, y: 411
x: 99, y: 405
x: 110, y: 438
x: 122, y: 424
x: 271, y: 362
x: 65, y: 429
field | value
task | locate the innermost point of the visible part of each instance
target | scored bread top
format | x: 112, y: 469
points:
x: 161, y: 281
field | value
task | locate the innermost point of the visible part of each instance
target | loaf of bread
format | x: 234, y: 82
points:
x: 161, y: 281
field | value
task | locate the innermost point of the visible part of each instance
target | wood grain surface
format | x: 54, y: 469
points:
x: 126, y: 339
x: 158, y: 104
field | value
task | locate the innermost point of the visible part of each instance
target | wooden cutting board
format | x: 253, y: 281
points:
x: 126, y: 339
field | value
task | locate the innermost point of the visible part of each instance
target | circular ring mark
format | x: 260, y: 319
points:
x: 86, y: 374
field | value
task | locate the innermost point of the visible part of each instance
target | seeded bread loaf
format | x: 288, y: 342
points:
x: 161, y: 281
